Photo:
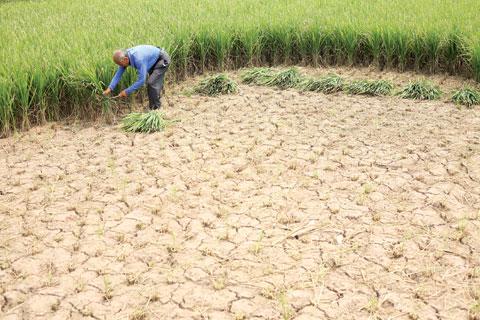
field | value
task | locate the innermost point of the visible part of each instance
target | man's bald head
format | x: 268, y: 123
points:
x: 120, y: 57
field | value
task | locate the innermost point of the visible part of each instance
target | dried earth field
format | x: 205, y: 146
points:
x: 266, y: 204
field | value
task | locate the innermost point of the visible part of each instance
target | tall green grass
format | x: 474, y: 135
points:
x: 56, y: 53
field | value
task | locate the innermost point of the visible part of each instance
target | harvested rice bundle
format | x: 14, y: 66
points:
x: 283, y: 79
x: 371, y: 88
x: 466, y: 96
x: 256, y: 75
x: 216, y: 85
x: 420, y: 90
x: 329, y: 84
x: 148, y: 122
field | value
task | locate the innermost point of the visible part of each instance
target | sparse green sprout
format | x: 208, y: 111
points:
x: 79, y: 285
x: 466, y: 96
x: 216, y: 85
x: 461, y: 230
x: 328, y: 84
x: 462, y: 225
x: 219, y: 283
x: 152, y: 121
x: 138, y: 314
x: 286, y: 309
x: 367, y: 188
x: 370, y: 87
x: 474, y: 312
x: 240, y: 316
x: 269, y: 293
x: 373, y: 305
x: 257, y: 247
x: 474, y: 272
x: 420, y: 90
x: 107, y: 289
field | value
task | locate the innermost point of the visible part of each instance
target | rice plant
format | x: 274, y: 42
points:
x: 284, y: 79
x: 370, y: 87
x: 420, y: 90
x: 216, y: 85
x: 148, y: 122
x: 466, y: 96
x: 256, y: 75
x: 330, y: 83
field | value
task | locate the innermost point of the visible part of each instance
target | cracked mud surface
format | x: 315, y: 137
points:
x: 263, y: 205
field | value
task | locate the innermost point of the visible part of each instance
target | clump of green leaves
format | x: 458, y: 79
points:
x: 216, y: 85
x: 370, y: 87
x: 466, y: 96
x: 148, y: 122
x: 330, y: 83
x: 256, y: 75
x: 283, y: 79
x: 421, y: 90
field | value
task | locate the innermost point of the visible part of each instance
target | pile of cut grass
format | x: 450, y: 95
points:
x: 284, y: 79
x: 466, y: 96
x: 216, y: 85
x: 330, y: 83
x: 370, y: 87
x: 420, y: 90
x: 256, y: 76
x: 148, y: 122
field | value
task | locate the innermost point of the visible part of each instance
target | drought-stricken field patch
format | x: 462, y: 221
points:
x: 266, y: 204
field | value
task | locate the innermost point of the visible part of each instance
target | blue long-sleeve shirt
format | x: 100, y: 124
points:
x: 141, y: 58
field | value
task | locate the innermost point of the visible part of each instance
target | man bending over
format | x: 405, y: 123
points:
x: 146, y: 59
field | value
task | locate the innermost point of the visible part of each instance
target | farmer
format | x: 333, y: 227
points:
x: 146, y: 59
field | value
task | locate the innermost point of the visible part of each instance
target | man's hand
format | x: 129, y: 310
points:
x: 123, y: 94
x: 107, y: 92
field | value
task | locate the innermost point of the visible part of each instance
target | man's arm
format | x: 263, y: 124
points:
x: 116, y: 78
x: 142, y: 77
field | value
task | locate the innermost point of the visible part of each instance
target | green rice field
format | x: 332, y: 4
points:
x: 56, y: 55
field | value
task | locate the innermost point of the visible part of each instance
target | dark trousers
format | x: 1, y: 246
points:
x: 156, y: 79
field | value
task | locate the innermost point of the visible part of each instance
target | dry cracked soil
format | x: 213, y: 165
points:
x: 266, y: 204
